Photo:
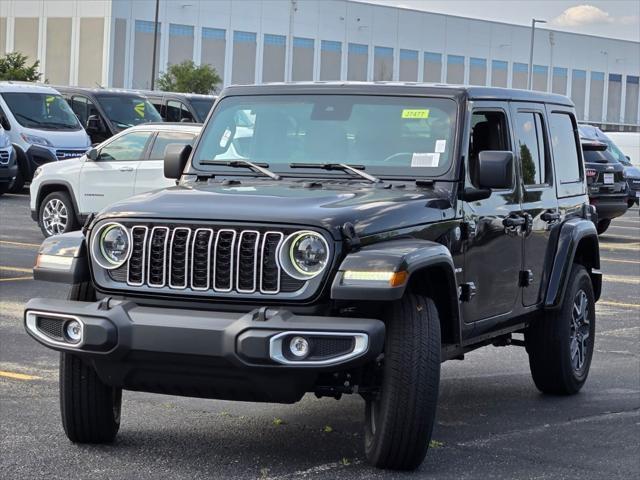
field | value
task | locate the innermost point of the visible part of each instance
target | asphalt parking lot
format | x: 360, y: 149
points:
x: 491, y: 422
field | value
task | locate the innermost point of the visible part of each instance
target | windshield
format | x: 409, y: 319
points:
x: 44, y: 111
x: 125, y: 111
x: 403, y: 136
x: 202, y: 108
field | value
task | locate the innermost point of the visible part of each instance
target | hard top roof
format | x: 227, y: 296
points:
x: 398, y: 88
x: 162, y: 93
x: 26, y: 87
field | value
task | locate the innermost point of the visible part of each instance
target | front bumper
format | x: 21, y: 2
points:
x: 8, y: 170
x: 226, y: 355
x: 634, y: 189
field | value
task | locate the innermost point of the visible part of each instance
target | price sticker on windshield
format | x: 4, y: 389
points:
x: 413, y: 113
x: 139, y: 109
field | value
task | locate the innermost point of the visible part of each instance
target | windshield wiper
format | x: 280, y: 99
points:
x: 28, y: 119
x: 256, y: 167
x: 353, y: 169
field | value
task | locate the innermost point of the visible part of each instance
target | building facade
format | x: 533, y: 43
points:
x: 110, y: 43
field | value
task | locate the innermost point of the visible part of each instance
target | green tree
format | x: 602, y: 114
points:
x: 13, y: 66
x: 186, y: 77
x: 528, y: 166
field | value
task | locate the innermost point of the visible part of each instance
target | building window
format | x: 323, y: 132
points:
x: 499, y: 73
x: 631, y: 100
x: 559, y: 80
x: 357, y: 62
x: 408, y: 66
x: 578, y: 91
x: 303, y: 50
x: 477, y: 71
x: 539, y: 79
x: 180, y: 43
x: 143, y: 52
x: 432, y: 67
x: 273, y: 58
x: 455, y: 69
x: 330, y: 60
x: 382, y: 63
x: 212, y: 51
x: 520, y: 74
x: 243, y: 70
x: 614, y: 97
x: 596, y: 93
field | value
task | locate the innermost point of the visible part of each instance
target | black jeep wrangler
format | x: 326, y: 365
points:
x: 347, y: 240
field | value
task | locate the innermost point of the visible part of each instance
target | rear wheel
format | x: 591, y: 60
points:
x: 560, y: 343
x: 90, y: 409
x: 56, y: 214
x: 602, y: 225
x: 399, y: 419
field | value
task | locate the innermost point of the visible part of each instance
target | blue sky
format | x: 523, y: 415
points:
x: 606, y: 18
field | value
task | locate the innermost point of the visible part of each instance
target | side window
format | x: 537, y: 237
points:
x: 128, y: 147
x: 157, y: 104
x: 177, y: 112
x: 167, y: 138
x: 83, y: 108
x: 531, y: 147
x: 4, y: 121
x: 565, y: 148
x: 488, y: 132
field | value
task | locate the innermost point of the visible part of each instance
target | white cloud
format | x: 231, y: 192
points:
x: 587, y: 15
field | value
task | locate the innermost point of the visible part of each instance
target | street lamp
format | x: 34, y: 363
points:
x: 533, y: 33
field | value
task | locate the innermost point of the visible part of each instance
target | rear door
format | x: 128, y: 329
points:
x: 112, y: 176
x: 539, y: 202
x: 150, y: 173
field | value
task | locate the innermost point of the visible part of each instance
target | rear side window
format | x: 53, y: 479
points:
x: 531, y: 147
x: 565, y: 148
x: 167, y: 138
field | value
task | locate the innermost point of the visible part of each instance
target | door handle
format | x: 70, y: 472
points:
x: 550, y: 216
x: 126, y: 169
x: 511, y: 222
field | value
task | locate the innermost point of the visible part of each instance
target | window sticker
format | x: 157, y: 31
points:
x: 425, y: 160
x: 415, y: 113
x: 225, y: 139
x: 441, y: 146
x: 139, y: 109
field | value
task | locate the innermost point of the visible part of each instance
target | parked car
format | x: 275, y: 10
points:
x: 107, y: 111
x: 632, y: 175
x: 606, y: 183
x: 629, y: 143
x: 180, y: 107
x: 8, y: 165
x: 65, y: 193
x: 41, y: 127
x: 370, y: 232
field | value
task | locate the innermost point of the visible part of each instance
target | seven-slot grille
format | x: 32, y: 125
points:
x: 200, y: 259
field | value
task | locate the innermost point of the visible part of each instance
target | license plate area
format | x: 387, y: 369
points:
x: 608, y: 178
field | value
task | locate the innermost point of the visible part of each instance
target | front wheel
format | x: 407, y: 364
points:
x: 90, y: 409
x: 56, y: 214
x: 399, y: 419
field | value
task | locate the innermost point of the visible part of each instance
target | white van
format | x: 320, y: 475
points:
x: 41, y: 126
x: 629, y: 143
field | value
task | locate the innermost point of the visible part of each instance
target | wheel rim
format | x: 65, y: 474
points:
x: 55, y: 217
x: 580, y: 325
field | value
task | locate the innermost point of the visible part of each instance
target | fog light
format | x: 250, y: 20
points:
x: 299, y: 347
x: 73, y: 331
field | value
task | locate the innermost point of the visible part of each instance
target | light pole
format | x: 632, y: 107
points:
x: 155, y: 47
x: 533, y: 33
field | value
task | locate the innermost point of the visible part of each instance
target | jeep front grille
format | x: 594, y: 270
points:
x: 223, y: 260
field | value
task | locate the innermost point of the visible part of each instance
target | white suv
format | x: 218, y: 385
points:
x: 64, y: 193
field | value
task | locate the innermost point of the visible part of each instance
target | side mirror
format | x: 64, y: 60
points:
x: 94, y: 125
x: 495, y: 169
x: 92, y: 154
x: 175, y: 159
x: 626, y: 156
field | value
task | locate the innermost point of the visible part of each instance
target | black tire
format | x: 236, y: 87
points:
x: 399, y: 420
x: 602, y: 225
x: 631, y: 203
x: 4, y: 188
x: 555, y: 367
x: 17, y: 184
x: 90, y: 409
x: 54, y: 200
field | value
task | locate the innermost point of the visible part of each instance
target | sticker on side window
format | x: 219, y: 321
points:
x: 425, y: 160
x: 415, y: 113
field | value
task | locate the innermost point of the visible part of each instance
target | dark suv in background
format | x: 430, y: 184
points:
x: 103, y: 112
x: 367, y: 233
x: 180, y: 107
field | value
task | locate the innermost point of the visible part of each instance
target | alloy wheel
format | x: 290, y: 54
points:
x: 55, y: 217
x: 579, y: 336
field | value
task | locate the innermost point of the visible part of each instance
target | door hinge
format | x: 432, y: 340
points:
x: 526, y: 278
x: 467, y: 291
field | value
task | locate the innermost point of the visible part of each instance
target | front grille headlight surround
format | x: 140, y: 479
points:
x: 304, y: 254
x: 111, y: 245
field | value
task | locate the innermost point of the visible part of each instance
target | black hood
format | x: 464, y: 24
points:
x: 370, y: 208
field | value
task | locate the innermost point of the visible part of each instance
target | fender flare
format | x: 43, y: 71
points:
x: 63, y: 259
x: 572, y: 233
x: 62, y: 183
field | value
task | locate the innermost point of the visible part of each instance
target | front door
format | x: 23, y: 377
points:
x: 493, y: 245
x: 111, y: 177
x: 539, y: 202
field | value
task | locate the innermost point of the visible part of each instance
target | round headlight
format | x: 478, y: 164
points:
x: 304, y: 255
x: 112, y: 245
